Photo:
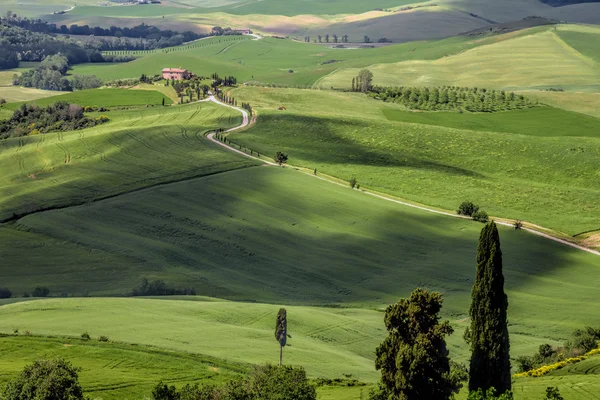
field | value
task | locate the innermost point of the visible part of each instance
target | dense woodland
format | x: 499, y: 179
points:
x: 30, y: 119
x: 23, y: 39
x: 452, y: 98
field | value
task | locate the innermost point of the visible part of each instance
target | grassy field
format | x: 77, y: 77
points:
x: 137, y: 148
x: 537, y: 177
x: 112, y: 370
x: 540, y: 60
x: 582, y: 102
x: 16, y: 93
x: 106, y: 98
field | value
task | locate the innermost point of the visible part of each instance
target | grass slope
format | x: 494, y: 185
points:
x: 112, y: 370
x: 545, y: 180
x: 273, y: 235
x: 107, y: 98
x: 540, y: 60
x: 137, y: 148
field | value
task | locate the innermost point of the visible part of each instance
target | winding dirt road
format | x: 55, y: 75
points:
x: 246, y: 122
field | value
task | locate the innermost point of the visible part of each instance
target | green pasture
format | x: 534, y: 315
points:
x: 270, y: 60
x: 540, y: 60
x: 17, y: 94
x: 136, y: 149
x: 105, y: 97
x: 544, y: 179
x: 266, y: 234
x: 112, y: 370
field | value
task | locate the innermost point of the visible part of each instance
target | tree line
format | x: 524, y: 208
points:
x: 51, y: 73
x: 29, y: 119
x: 453, y: 98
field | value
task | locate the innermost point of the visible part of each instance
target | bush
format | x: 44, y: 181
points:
x: 164, y: 392
x: 353, y: 182
x: 40, y: 291
x: 159, y: 288
x: 467, y: 208
x: 518, y: 224
x: 46, y: 380
x: 5, y: 293
x: 2, y: 102
x: 480, y: 216
x: 85, y: 336
x: 103, y: 338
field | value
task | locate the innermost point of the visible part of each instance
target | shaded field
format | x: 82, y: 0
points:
x: 545, y: 180
x: 106, y: 98
x: 274, y: 235
x: 136, y: 149
x: 116, y: 371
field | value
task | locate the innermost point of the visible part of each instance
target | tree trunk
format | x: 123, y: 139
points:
x: 280, y: 355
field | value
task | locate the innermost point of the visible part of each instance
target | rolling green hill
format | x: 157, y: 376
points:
x: 518, y: 170
x: 136, y: 149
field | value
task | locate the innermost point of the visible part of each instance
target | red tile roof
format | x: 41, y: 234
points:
x: 176, y: 70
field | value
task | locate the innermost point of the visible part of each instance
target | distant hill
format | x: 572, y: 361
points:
x: 560, y: 3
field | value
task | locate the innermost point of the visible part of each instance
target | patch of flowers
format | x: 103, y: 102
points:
x: 545, y: 369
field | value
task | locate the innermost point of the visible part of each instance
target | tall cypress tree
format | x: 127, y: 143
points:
x: 488, y: 333
x: 281, y: 332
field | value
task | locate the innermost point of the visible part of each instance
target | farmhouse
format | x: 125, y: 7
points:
x: 243, y: 31
x: 176, y: 73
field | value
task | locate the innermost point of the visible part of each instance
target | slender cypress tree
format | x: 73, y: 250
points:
x: 488, y: 333
x: 281, y: 332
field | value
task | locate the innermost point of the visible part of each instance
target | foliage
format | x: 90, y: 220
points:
x: 5, y: 293
x: 488, y: 332
x: 159, y: 288
x: 83, y: 82
x: 363, y: 82
x: 60, y: 116
x: 280, y: 158
x: 353, y: 182
x: 8, y: 58
x: 489, y: 394
x: 413, y: 358
x: 467, y: 208
x: 281, y: 332
x: 49, y: 75
x: 480, y: 216
x: 552, y: 393
x: 103, y: 338
x: 40, y: 291
x: 265, y: 382
x: 453, y: 98
x: 46, y: 380
x: 85, y: 336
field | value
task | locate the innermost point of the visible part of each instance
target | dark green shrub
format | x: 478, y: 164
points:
x: 5, y: 293
x: 164, y: 392
x: 480, y: 216
x: 103, y: 338
x: 467, y: 208
x: 85, y: 336
x: 46, y: 380
x: 353, y: 182
x: 40, y: 291
x: 489, y: 395
x: 552, y: 393
x: 518, y: 224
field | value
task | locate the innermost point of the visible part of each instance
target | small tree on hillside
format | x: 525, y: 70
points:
x: 281, y: 332
x: 365, y: 78
x: 46, y: 380
x: 488, y: 332
x: 280, y: 158
x: 413, y: 358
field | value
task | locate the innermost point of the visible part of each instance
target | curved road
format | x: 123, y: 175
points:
x: 246, y: 122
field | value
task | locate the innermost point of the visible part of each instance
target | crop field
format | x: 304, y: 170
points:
x: 274, y: 235
x: 540, y: 60
x: 115, y: 371
x: 544, y: 180
x: 270, y: 60
x: 136, y: 149
x: 582, y: 102
x: 105, y: 98
x: 16, y: 93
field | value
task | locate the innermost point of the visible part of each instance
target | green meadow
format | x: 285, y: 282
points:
x: 135, y: 149
x: 543, y: 167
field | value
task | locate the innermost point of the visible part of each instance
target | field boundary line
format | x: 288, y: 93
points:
x: 338, y: 182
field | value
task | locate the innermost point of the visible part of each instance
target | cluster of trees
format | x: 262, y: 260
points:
x: 29, y: 119
x: 159, y: 288
x: 51, y: 73
x: 226, y: 81
x: 449, y: 98
x: 38, y: 291
x: 414, y: 360
x: 581, y: 342
x: 328, y: 39
x: 265, y: 382
x: 363, y: 82
x: 247, y: 107
x: 469, y: 209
